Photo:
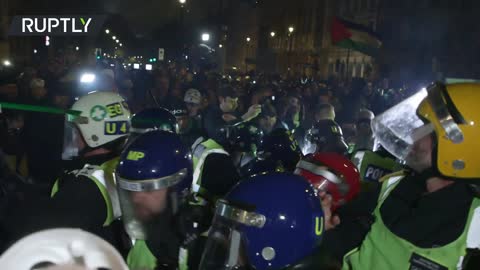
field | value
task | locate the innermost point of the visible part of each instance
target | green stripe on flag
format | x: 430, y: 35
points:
x: 358, y: 46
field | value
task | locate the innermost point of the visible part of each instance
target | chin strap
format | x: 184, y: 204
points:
x: 426, y: 174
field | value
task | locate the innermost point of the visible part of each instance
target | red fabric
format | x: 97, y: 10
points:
x: 338, y: 31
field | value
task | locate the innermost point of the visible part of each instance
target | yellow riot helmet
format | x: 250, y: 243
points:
x: 449, y: 112
x: 454, y: 113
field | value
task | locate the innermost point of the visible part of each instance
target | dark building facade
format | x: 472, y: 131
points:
x: 294, y: 36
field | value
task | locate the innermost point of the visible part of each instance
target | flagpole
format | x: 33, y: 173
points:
x: 347, y: 64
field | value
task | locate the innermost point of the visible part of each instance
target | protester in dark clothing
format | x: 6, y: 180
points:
x: 43, y: 149
x: 268, y: 121
x: 294, y: 113
x: 158, y: 94
x: 344, y: 103
x: 217, y: 117
x: 188, y: 128
x: 24, y: 81
x: 69, y: 208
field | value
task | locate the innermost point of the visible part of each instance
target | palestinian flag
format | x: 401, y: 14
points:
x: 355, y: 36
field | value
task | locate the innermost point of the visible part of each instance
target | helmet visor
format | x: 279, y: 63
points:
x: 226, y: 246
x: 309, y: 147
x: 399, y: 128
x: 148, y: 202
x: 73, y: 142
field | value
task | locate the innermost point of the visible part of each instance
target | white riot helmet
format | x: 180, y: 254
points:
x: 62, y: 249
x: 103, y: 117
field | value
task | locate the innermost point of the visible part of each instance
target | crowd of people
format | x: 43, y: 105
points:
x: 197, y: 98
x: 182, y: 167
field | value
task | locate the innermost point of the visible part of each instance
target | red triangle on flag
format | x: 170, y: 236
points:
x: 338, y: 31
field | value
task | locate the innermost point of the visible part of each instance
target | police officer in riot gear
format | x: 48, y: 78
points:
x: 153, y: 180
x: 325, y: 136
x: 277, y: 152
x: 85, y: 195
x: 271, y: 221
x: 425, y: 218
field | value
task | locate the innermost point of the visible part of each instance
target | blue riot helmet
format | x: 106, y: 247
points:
x: 153, y: 179
x: 153, y: 119
x: 280, y: 145
x: 258, y: 166
x: 268, y: 221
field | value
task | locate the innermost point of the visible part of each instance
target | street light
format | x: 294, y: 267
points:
x: 87, y: 78
x: 77, y: 48
x: 118, y: 41
x: 7, y: 63
x: 205, y: 37
x: 291, y: 29
x: 272, y: 34
x: 107, y: 31
x: 35, y: 51
x: 182, y: 1
x: 220, y: 45
x: 121, y: 44
x: 114, y: 37
x: 248, y: 39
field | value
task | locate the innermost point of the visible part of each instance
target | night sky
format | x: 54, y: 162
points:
x: 142, y: 15
x: 146, y: 15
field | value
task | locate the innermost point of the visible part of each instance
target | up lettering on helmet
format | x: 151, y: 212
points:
x: 116, y: 127
x: 135, y: 155
x: 114, y: 110
x: 318, y: 226
x: 294, y: 144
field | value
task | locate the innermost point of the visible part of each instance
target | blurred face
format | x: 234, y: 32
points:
x: 293, y: 101
x: 323, y: 99
x: 183, y: 72
x: 364, y: 128
x: 294, y: 105
x: 192, y: 108
x: 368, y: 90
x: 162, y: 83
x: 189, y: 77
x: 39, y: 92
x: 307, y: 92
x: 149, y: 204
x: 420, y: 157
x: 61, y: 101
x: 228, y: 104
x: 55, y: 67
x: 266, y: 123
x: 177, y: 92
